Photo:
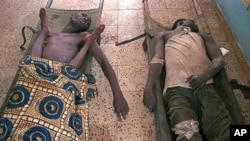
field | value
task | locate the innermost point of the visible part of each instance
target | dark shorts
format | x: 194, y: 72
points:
x: 204, y: 106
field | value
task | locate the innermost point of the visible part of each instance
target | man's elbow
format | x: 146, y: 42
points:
x: 105, y: 64
x: 219, y: 61
x: 223, y: 62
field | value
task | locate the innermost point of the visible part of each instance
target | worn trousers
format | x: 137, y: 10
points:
x: 204, y: 106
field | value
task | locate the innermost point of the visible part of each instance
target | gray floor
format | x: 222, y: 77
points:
x: 123, y: 20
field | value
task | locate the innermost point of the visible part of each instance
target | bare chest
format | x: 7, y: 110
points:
x: 64, y: 39
x: 62, y: 47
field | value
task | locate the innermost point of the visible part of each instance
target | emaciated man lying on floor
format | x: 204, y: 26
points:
x: 49, y: 100
x: 191, y: 59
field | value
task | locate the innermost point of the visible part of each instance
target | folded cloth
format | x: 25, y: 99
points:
x: 48, y: 102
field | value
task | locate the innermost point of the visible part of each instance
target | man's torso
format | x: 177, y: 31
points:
x: 185, y: 55
x: 62, y: 47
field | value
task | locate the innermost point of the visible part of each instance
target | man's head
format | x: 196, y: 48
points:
x: 186, y: 22
x: 80, y: 21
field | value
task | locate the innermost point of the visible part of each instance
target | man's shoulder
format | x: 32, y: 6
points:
x: 85, y: 33
x: 205, y: 36
x: 164, y: 34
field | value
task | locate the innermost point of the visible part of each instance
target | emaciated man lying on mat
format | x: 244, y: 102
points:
x: 49, y: 99
x: 192, y: 59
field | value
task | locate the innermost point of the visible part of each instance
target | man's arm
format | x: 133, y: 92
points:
x: 217, y: 63
x: 214, y: 54
x: 119, y: 102
x: 155, y: 68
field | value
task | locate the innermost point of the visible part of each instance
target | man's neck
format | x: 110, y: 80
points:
x: 69, y: 29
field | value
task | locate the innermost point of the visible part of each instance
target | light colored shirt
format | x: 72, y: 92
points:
x: 185, y: 55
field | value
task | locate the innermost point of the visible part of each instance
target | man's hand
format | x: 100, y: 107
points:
x: 121, y: 107
x: 197, y: 81
x: 149, y: 99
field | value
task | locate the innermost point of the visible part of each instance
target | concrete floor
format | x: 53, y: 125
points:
x: 123, y: 20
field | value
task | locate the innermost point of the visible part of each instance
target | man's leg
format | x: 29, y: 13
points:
x: 181, y: 111
x: 215, y: 119
x: 45, y: 31
x: 88, y: 41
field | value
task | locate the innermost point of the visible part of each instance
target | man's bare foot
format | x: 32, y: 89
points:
x: 44, y: 21
x: 98, y: 30
x: 91, y: 37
